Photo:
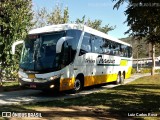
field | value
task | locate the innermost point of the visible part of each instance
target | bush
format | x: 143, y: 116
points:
x: 133, y: 71
x: 157, y: 71
x: 144, y: 70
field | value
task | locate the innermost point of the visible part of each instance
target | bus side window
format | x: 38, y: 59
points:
x: 65, y: 56
x: 86, y: 44
x: 105, y: 47
x: 121, y: 51
x: 129, y: 49
x: 66, y: 53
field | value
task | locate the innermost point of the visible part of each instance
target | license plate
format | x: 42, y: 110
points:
x: 32, y: 86
x: 31, y: 76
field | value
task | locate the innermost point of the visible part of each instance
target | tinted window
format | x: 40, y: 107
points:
x: 97, y: 44
x: 129, y: 52
x: 86, y: 44
x: 70, y: 47
x: 76, y: 36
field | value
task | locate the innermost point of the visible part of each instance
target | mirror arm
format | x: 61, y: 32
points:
x: 60, y: 43
x: 14, y: 46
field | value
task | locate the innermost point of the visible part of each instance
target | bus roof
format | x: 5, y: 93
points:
x: 60, y: 27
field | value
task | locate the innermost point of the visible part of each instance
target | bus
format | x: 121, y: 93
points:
x: 71, y: 57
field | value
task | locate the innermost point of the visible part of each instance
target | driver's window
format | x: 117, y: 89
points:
x: 65, y: 54
x: 86, y: 44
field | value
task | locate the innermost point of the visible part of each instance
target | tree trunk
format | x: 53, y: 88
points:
x: 150, y: 50
x: 137, y: 63
x: 153, y: 59
x: 1, y: 78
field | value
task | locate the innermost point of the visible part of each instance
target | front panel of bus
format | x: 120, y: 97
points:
x: 40, y: 65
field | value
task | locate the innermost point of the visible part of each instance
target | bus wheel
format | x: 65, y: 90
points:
x: 118, y: 78
x: 77, y: 85
x: 122, y: 78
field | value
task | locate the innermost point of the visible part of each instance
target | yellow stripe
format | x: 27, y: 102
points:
x: 123, y: 63
x: 128, y: 74
x: 98, y: 79
x: 68, y: 83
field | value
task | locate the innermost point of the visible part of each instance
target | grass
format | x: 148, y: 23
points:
x: 141, y: 95
x: 9, y: 86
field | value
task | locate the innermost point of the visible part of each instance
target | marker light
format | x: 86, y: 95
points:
x: 53, y: 77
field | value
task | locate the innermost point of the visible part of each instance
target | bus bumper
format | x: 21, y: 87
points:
x: 48, y: 85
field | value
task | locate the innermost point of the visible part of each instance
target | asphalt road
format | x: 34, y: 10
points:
x: 32, y: 96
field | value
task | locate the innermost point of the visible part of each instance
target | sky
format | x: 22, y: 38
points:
x: 92, y: 9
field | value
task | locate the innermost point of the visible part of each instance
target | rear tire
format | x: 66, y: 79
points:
x: 118, y: 79
x: 122, y: 78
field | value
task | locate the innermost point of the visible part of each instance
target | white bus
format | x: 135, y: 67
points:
x: 72, y: 56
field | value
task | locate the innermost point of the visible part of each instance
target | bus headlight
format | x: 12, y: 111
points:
x: 53, y: 77
x: 19, y: 76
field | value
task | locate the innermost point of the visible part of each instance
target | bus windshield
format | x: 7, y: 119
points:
x: 39, y: 52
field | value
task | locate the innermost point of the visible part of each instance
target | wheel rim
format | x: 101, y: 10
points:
x: 77, y: 84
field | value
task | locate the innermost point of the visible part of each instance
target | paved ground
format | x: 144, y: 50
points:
x: 31, y: 96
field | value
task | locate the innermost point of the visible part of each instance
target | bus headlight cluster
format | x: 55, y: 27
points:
x: 53, y: 77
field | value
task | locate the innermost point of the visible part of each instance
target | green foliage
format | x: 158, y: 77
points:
x: 57, y: 16
x: 15, y: 21
x: 133, y: 71
x: 148, y: 70
x: 143, y: 21
x: 61, y: 16
x: 10, y: 86
x: 40, y: 18
x: 143, y: 18
x: 157, y: 70
x: 145, y: 70
x: 141, y: 47
x: 96, y: 24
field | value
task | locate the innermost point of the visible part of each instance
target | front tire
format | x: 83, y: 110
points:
x: 77, y: 85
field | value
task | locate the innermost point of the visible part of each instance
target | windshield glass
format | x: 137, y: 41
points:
x: 39, y: 52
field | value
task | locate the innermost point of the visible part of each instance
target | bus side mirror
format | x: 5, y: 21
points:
x: 14, y: 46
x: 60, y: 43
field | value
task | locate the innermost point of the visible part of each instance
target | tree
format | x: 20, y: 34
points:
x: 143, y: 20
x: 57, y: 16
x: 40, y: 18
x: 61, y: 16
x: 96, y: 24
x: 15, y: 21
